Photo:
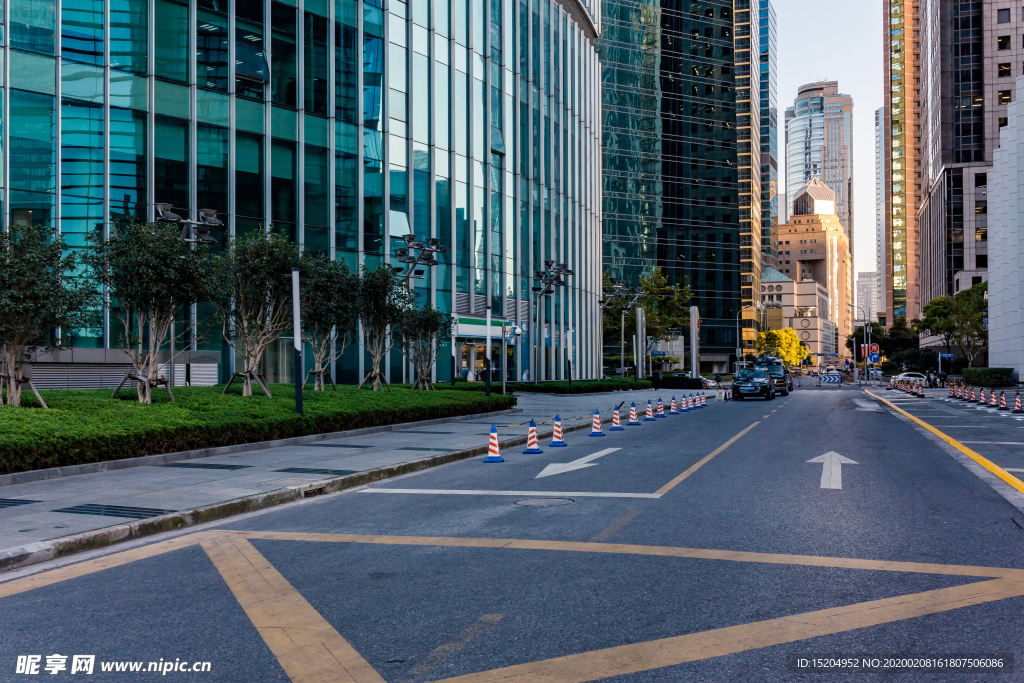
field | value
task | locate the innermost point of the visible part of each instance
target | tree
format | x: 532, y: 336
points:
x: 422, y: 330
x: 383, y: 301
x: 937, y: 321
x: 665, y: 310
x: 152, y: 277
x: 967, y: 317
x: 329, y: 312
x: 254, y: 299
x: 877, y: 335
x: 39, y: 295
x: 898, y: 338
x: 784, y: 344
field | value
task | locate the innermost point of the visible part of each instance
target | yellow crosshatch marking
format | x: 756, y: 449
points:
x: 310, y: 650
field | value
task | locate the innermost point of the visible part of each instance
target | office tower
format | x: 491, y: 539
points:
x: 347, y: 126
x: 770, y: 190
x: 866, y: 297
x: 880, y: 185
x: 904, y: 110
x: 819, y: 144
x: 681, y: 191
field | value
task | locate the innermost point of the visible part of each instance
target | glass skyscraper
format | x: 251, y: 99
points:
x: 681, y: 180
x: 346, y: 124
x: 769, y: 135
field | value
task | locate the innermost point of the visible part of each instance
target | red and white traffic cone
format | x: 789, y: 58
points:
x: 920, y: 391
x: 703, y: 399
x: 1002, y: 401
x: 633, y: 421
x: 532, y: 444
x: 556, y: 438
x: 691, y: 403
x: 595, y: 430
x: 661, y: 409
x: 974, y: 397
x: 616, y: 426
x: 650, y: 412
x: 889, y: 386
x: 951, y: 394
x: 672, y: 407
x: 493, y: 453
x: 992, y: 401
x: 1017, y: 407
x: 981, y: 396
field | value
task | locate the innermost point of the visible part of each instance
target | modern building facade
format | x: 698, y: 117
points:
x: 904, y: 111
x: 681, y: 155
x: 770, y: 190
x: 814, y: 246
x: 881, y: 164
x: 866, y: 288
x: 819, y: 144
x: 800, y: 306
x: 346, y: 125
x: 1006, y: 268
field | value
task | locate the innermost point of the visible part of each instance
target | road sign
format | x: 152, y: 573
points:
x: 874, y: 358
x: 945, y: 355
x: 659, y: 354
x: 874, y: 348
x: 831, y: 379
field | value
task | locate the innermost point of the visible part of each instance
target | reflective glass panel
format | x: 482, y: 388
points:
x: 212, y: 168
x: 172, y: 44
x: 249, y: 175
x: 81, y: 172
x: 317, y: 190
x: 284, y: 70
x: 33, y: 25
x: 171, y: 180
x: 81, y: 25
x: 283, y: 198
x: 346, y: 55
x: 127, y: 164
x: 315, y: 65
x: 32, y: 153
x: 129, y: 30
x: 212, y: 45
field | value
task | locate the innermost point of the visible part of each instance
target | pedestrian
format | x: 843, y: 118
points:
x: 942, y: 380
x: 718, y: 378
x: 656, y: 377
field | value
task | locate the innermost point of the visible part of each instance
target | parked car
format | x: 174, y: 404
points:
x: 909, y: 377
x: 751, y: 383
x: 783, y: 380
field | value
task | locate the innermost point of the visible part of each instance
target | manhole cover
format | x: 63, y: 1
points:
x: 544, y: 502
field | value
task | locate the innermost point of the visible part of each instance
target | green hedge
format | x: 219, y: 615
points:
x: 89, y: 426
x: 582, y: 387
x: 989, y: 377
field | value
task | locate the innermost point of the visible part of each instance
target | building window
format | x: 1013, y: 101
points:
x: 1003, y: 42
x: 980, y: 261
x: 981, y: 179
x: 981, y: 234
x: 1004, y: 71
x: 1003, y: 16
x: 1002, y: 121
x: 1004, y: 97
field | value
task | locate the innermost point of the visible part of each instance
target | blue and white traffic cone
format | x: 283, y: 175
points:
x: 616, y: 425
x: 633, y: 421
x: 595, y: 430
x: 650, y: 412
x: 493, y: 453
x: 556, y: 440
x: 532, y: 444
x: 661, y: 409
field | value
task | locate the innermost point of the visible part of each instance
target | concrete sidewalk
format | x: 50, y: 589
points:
x: 40, y: 520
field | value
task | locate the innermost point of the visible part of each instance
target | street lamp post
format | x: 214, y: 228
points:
x: 867, y: 338
x: 618, y: 291
x: 757, y: 305
x: 419, y: 253
x: 550, y: 278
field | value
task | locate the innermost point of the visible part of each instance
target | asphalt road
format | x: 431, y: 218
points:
x: 660, y: 564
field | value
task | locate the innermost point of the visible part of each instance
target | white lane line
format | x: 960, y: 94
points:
x: 998, y: 443
x: 537, y: 494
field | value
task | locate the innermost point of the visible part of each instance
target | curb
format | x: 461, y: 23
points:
x: 43, y: 551
x: 160, y: 459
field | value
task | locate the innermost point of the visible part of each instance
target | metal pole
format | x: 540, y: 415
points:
x: 297, y: 329
x: 504, y: 359
x: 487, y: 352
x: 622, y: 345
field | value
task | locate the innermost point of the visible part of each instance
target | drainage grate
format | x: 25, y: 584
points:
x: 335, y: 445
x: 414, y: 448
x: 310, y: 470
x: 314, y: 492
x: 205, y: 466
x: 114, y: 511
x: 14, y: 502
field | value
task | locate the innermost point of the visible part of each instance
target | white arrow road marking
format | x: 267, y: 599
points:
x: 832, y: 469
x: 560, y: 468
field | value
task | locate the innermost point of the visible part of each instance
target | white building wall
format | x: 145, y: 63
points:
x: 1006, y: 215
x: 879, y: 304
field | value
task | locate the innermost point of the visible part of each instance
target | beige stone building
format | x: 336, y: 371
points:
x: 801, y: 306
x: 813, y: 245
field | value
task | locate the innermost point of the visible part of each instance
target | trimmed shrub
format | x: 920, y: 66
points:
x: 989, y: 377
x: 88, y: 426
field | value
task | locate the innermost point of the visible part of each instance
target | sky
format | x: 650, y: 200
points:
x: 837, y: 40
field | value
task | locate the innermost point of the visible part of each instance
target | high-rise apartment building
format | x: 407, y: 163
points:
x: 819, y: 144
x: 904, y: 111
x: 347, y: 125
x: 770, y: 190
x: 681, y: 185
x: 880, y: 185
x: 968, y: 74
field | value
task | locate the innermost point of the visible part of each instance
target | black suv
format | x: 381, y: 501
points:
x: 783, y: 380
x: 753, y: 383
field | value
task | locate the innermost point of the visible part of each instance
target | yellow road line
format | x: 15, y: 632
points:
x: 703, y: 461
x: 980, y: 459
x: 308, y: 648
x: 654, y: 654
x: 615, y: 526
x: 469, y: 634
